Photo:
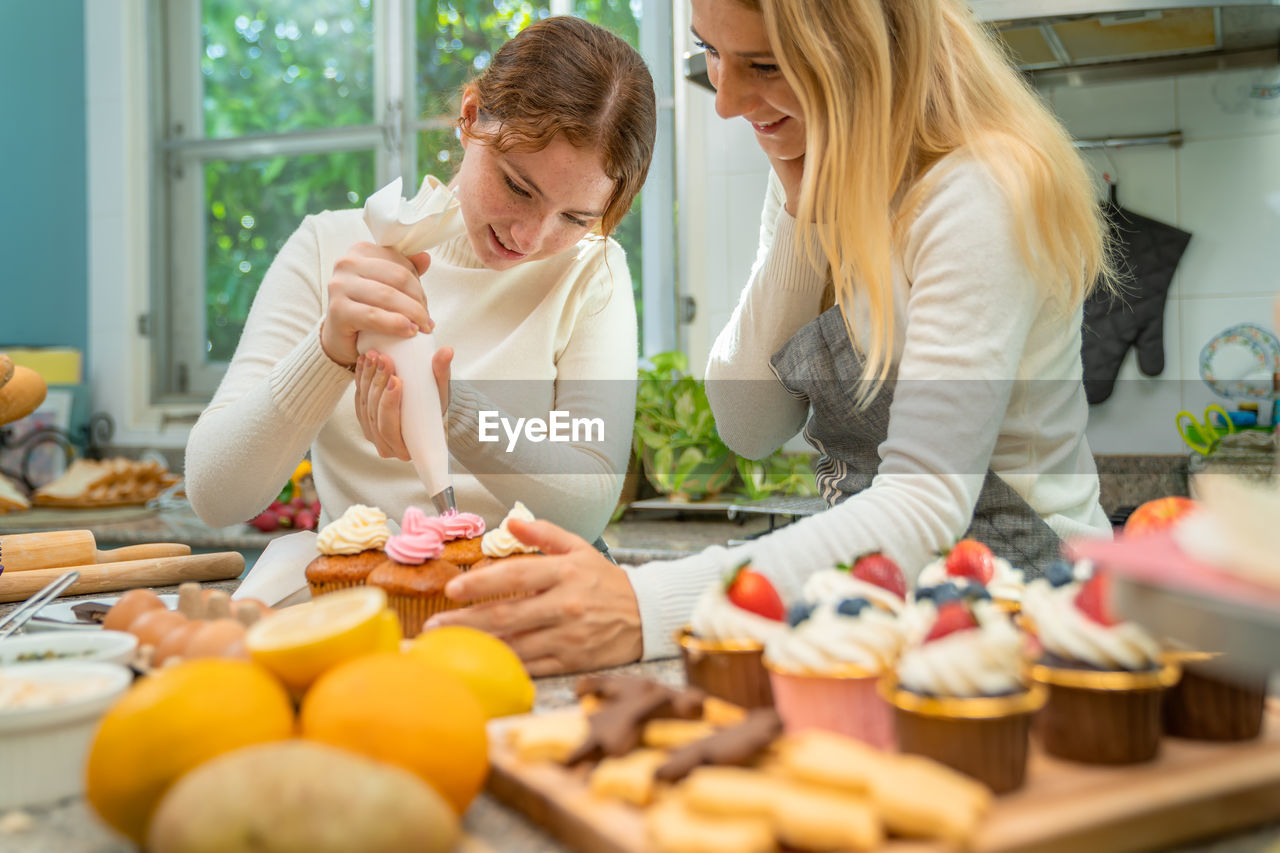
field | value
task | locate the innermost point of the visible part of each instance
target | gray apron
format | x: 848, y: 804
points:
x: 820, y: 366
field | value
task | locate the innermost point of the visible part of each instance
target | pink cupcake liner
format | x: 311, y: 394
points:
x: 847, y: 706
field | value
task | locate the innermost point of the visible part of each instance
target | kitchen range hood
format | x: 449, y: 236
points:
x: 1072, y: 42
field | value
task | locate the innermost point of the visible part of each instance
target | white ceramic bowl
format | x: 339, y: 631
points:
x: 43, y: 749
x: 111, y: 646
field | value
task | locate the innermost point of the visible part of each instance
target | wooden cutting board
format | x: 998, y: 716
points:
x: 112, y: 577
x: 22, y: 551
x: 1193, y: 790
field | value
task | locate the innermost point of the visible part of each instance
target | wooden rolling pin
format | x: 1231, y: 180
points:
x: 111, y: 577
x: 56, y: 548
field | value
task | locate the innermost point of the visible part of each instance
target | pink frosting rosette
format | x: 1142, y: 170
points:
x: 421, y: 538
x: 461, y: 525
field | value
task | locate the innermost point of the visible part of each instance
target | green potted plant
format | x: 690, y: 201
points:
x: 675, y: 436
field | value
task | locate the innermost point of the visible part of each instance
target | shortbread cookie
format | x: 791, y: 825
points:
x: 673, y: 828
x: 670, y: 734
x: 629, y: 778
x: 914, y: 796
x: 802, y: 816
x: 548, y: 737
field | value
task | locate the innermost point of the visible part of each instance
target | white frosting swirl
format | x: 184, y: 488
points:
x: 829, y: 641
x: 1068, y: 633
x: 718, y: 620
x: 834, y: 585
x: 501, y: 542
x: 1006, y: 581
x: 986, y: 661
x: 360, y: 528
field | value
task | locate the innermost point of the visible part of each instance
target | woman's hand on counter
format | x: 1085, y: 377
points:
x: 379, y: 393
x: 576, y: 609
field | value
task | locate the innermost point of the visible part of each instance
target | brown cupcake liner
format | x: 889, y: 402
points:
x: 732, y: 672
x: 331, y: 586
x: 1094, y: 718
x: 414, y: 610
x: 1203, y: 706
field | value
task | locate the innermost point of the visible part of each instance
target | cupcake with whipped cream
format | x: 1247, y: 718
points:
x: 463, y: 532
x: 350, y: 548
x: 414, y: 576
x: 825, y: 669
x: 874, y: 577
x: 961, y: 696
x: 972, y: 561
x: 1106, y: 677
x: 724, y: 642
x: 500, y: 542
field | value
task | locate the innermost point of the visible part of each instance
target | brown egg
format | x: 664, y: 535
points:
x: 175, y: 641
x: 216, y: 638
x: 131, y: 605
x: 153, y: 626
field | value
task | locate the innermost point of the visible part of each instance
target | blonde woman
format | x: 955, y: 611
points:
x: 927, y: 241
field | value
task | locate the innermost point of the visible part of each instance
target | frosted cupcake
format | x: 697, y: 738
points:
x: 1105, y: 677
x: 414, y: 577
x: 824, y: 671
x: 500, y: 542
x: 973, y: 561
x: 723, y: 645
x: 462, y: 533
x: 961, y: 696
x: 350, y: 548
x: 874, y: 577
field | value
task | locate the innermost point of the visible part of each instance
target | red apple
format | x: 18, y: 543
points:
x: 1158, y: 514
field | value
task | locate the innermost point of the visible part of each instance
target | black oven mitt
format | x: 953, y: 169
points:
x: 1146, y: 253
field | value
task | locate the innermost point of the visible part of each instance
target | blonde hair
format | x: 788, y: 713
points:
x: 889, y: 88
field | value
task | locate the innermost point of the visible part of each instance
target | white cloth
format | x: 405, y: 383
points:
x: 968, y: 310
x: 560, y: 334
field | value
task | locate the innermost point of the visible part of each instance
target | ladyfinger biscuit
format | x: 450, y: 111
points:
x: 548, y: 737
x: 629, y: 778
x: 670, y: 734
x: 673, y: 828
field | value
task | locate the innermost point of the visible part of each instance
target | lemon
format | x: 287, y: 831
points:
x: 481, y: 661
x: 301, y: 642
x: 173, y: 721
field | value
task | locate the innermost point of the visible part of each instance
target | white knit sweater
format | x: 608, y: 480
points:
x: 970, y: 320
x: 557, y: 334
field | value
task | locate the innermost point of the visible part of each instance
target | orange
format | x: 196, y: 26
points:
x: 172, y: 721
x: 481, y: 661
x: 397, y: 709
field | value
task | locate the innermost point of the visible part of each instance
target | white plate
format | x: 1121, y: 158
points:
x: 58, y: 616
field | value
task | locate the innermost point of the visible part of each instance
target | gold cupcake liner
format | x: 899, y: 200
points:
x: 1122, y: 680
x: 696, y: 645
x: 963, y: 707
x: 1008, y: 605
x: 331, y: 586
x: 729, y: 671
x: 847, y: 672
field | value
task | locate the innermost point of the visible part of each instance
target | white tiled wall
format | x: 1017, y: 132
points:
x: 1223, y: 186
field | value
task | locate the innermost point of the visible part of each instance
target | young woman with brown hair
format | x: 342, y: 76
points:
x: 533, y: 304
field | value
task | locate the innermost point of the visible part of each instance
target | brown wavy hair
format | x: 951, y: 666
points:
x: 565, y: 75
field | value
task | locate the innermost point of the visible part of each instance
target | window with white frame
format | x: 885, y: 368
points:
x: 267, y: 111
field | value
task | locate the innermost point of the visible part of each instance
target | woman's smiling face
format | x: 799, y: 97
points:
x: 525, y: 205
x: 745, y: 73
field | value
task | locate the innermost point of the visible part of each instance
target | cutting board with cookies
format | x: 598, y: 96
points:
x: 637, y: 766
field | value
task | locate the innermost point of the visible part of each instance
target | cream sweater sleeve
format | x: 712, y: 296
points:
x: 755, y: 415
x: 278, y: 391
x: 574, y: 483
x: 969, y: 310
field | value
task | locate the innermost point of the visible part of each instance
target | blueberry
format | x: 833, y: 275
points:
x: 798, y: 613
x: 1059, y: 573
x: 940, y: 594
x: 852, y: 606
x: 976, y: 592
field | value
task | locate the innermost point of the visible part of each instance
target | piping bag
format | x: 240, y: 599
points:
x: 410, y: 226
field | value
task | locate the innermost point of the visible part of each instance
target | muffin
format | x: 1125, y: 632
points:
x: 723, y: 645
x: 415, y: 576
x: 1106, y: 678
x: 350, y: 548
x: 462, y: 536
x: 500, y: 542
x: 960, y: 697
x: 972, y: 561
x: 1204, y: 705
x: 824, y: 671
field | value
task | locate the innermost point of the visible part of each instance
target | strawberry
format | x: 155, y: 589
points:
x: 971, y: 559
x: 952, y: 616
x: 1093, y: 600
x: 876, y: 568
x: 752, y: 592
